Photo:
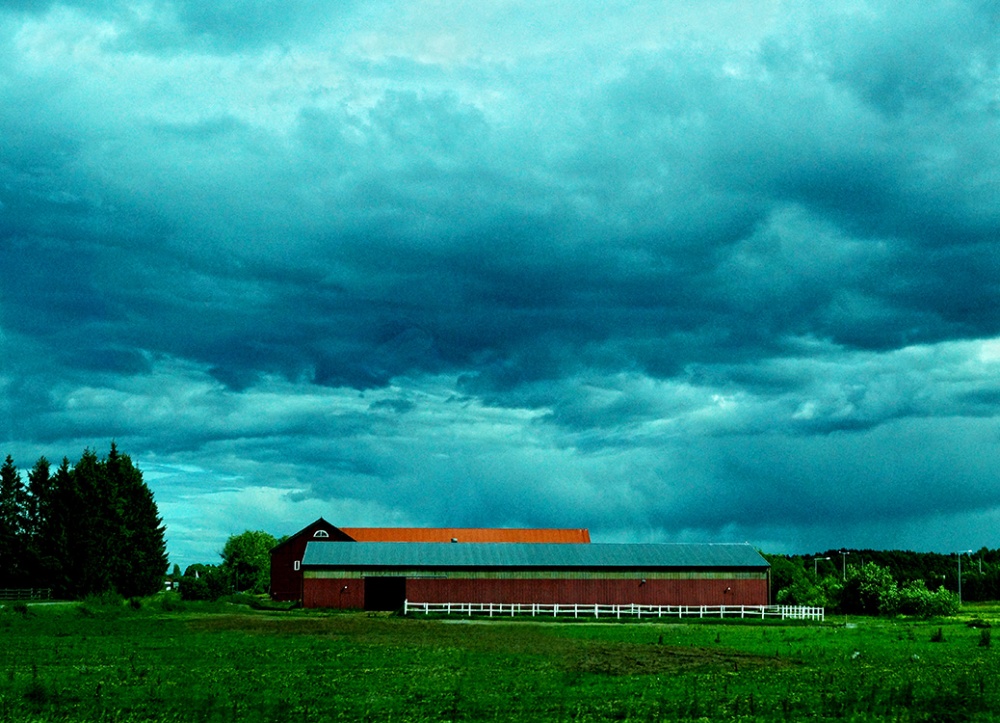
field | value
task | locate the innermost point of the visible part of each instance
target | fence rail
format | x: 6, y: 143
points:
x: 26, y: 593
x: 785, y: 612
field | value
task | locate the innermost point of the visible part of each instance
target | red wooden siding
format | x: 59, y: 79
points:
x: 328, y: 592
x: 348, y: 593
x: 591, y: 591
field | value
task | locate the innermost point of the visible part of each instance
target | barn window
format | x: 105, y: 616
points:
x: 321, y: 533
x: 297, y: 564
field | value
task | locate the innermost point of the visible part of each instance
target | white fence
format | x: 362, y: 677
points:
x: 784, y: 612
x: 25, y: 593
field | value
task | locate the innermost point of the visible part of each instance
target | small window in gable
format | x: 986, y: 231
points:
x: 298, y: 563
x: 321, y: 533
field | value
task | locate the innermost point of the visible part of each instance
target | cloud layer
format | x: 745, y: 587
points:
x: 671, y: 272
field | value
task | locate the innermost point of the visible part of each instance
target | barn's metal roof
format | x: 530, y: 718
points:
x: 465, y: 534
x: 530, y: 555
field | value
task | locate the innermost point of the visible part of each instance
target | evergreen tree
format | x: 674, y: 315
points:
x: 59, y: 555
x: 100, y: 530
x: 141, y: 561
x: 38, y: 511
x: 91, y: 527
x: 13, y: 523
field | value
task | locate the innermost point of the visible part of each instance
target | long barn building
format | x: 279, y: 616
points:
x: 381, y: 575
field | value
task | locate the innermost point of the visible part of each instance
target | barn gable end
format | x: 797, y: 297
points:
x: 286, y: 558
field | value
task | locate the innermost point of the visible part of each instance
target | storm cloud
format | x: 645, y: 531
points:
x: 673, y: 272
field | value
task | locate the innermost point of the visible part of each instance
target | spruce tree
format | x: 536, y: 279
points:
x: 13, y: 523
x: 85, y: 530
x: 89, y: 527
x: 141, y: 560
x: 38, y: 512
x: 59, y: 549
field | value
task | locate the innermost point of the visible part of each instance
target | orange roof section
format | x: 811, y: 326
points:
x: 466, y: 534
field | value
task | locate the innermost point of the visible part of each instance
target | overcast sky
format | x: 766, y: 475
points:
x: 671, y: 271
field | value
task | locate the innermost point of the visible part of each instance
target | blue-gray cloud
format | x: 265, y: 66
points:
x: 645, y: 276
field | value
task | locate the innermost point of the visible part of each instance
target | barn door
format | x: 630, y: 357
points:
x: 384, y: 593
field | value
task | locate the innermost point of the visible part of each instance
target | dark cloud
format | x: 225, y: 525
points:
x: 657, y: 277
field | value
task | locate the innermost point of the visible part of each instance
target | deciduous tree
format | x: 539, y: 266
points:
x: 246, y: 559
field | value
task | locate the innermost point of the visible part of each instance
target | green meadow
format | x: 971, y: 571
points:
x: 167, y: 661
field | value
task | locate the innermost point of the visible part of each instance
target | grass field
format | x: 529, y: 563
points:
x: 229, y: 663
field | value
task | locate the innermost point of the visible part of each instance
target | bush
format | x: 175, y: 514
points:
x: 106, y: 599
x: 105, y: 602
x: 206, y: 583
x: 916, y: 599
x: 170, y: 603
x: 870, y: 590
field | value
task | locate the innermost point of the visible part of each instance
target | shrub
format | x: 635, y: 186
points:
x: 108, y: 599
x: 870, y: 590
x: 170, y: 603
x: 208, y: 583
x: 943, y: 603
x: 916, y: 599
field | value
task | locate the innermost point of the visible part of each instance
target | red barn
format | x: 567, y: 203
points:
x: 380, y: 576
x: 286, y: 557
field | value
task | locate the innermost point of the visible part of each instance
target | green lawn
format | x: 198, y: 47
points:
x: 229, y: 663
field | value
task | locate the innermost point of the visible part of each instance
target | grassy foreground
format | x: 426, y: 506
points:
x: 229, y: 663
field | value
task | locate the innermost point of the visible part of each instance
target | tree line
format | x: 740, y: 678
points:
x: 83, y: 529
x: 886, y: 581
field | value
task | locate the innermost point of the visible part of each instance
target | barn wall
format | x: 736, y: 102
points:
x: 286, y: 581
x: 718, y: 591
x: 345, y: 593
x: 325, y: 589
